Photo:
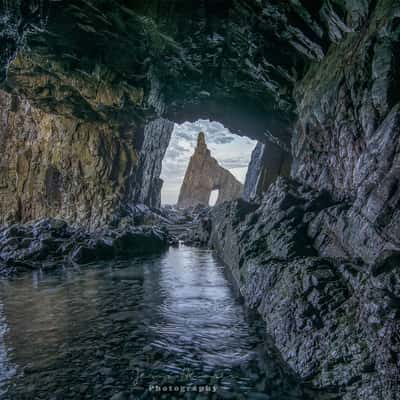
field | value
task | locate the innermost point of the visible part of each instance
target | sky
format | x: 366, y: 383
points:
x: 232, y: 152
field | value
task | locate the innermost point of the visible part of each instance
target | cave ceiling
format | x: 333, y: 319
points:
x: 235, y: 61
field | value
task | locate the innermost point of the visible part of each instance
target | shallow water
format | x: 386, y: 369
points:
x: 129, y: 329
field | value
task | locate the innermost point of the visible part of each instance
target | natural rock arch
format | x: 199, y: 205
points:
x: 103, y: 71
x: 204, y: 175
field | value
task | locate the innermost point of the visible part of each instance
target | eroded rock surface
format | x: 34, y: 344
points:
x: 203, y: 175
x: 52, y: 243
x: 57, y: 166
x: 157, y: 135
x: 335, y: 319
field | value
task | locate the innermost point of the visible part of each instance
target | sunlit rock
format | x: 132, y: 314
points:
x: 204, y: 175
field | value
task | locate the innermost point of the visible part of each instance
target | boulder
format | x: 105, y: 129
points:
x: 49, y: 243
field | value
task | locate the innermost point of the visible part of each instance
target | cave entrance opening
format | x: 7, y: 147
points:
x: 231, y: 151
x: 213, y: 197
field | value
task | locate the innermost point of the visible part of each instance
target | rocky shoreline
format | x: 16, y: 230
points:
x: 334, y: 319
x: 51, y: 243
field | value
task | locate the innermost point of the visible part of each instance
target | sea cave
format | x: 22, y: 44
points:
x: 125, y: 274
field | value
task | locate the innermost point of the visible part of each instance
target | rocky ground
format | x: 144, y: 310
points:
x: 334, y: 318
x: 51, y: 243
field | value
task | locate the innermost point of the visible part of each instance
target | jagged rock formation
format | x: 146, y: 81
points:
x: 256, y: 166
x: 50, y: 243
x: 203, y: 175
x: 335, y: 319
x: 157, y: 135
x: 268, y: 161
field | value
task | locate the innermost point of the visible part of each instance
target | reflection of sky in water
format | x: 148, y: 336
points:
x: 199, y: 314
x: 232, y: 152
x: 86, y: 332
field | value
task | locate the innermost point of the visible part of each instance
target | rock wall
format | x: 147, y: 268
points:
x: 347, y: 138
x: 250, y: 190
x: 334, y: 320
x: 319, y: 257
x: 157, y: 135
x: 268, y: 162
x: 55, y: 166
x: 203, y: 175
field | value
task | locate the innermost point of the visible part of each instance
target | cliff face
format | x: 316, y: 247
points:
x: 346, y: 139
x: 57, y: 166
x: 157, y: 135
x: 334, y: 319
x: 203, y: 175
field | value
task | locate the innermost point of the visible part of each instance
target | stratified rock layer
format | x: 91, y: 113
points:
x: 204, y: 175
x: 58, y: 166
x: 335, y: 319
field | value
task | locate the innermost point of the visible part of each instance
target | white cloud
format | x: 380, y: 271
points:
x: 232, y: 152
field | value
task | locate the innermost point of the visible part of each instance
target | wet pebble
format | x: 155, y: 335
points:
x: 119, y: 396
x: 105, y: 371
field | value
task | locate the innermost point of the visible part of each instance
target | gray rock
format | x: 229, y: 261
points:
x: 50, y: 243
x: 156, y: 139
x: 119, y: 396
x: 325, y: 314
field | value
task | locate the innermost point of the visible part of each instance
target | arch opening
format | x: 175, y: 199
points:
x: 213, y: 197
x: 231, y: 151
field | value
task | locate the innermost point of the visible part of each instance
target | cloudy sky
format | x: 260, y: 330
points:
x: 232, y: 152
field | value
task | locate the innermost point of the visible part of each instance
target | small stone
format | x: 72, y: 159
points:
x: 119, y: 396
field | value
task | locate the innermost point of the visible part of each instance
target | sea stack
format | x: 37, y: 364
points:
x: 204, y: 175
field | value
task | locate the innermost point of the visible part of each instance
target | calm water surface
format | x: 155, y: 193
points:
x: 124, y: 330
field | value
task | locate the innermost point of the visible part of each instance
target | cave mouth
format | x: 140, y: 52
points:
x: 233, y: 152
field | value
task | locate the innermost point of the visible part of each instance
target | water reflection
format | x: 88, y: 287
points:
x: 122, y: 328
x: 7, y: 370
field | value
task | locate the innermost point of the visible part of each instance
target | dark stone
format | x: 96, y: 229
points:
x: 84, y: 255
x: 139, y: 242
x: 156, y: 139
x: 48, y: 243
x: 325, y: 314
x: 250, y: 190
